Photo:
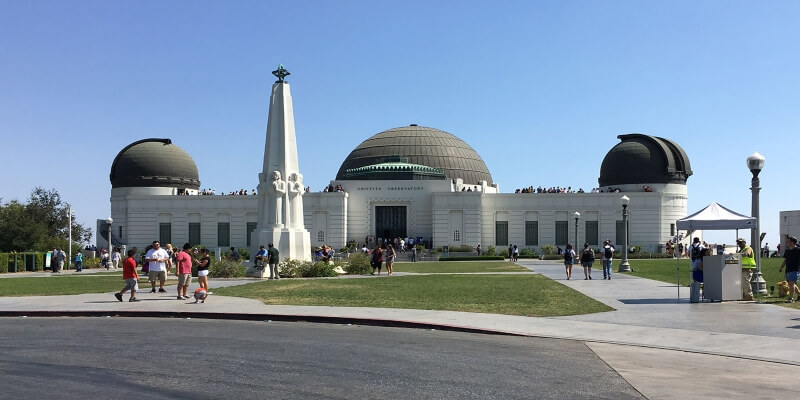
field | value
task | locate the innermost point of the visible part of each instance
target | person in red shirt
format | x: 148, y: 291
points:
x: 184, y: 271
x: 130, y: 276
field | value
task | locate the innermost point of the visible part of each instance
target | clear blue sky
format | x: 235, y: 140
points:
x: 540, y: 89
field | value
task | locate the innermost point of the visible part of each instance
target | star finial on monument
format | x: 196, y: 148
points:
x: 280, y: 73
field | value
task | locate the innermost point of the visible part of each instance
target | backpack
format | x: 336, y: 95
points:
x: 568, y: 255
x: 696, y: 253
x: 608, y: 253
x: 588, y: 255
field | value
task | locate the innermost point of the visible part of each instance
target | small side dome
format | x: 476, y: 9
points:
x: 643, y: 159
x: 154, y: 163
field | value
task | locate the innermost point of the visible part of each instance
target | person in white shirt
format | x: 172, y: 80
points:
x: 157, y: 258
x: 115, y: 257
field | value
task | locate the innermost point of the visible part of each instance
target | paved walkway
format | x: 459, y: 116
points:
x: 729, y: 339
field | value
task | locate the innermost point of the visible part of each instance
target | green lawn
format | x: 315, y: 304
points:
x: 435, y: 267
x: 68, y: 284
x: 529, y: 295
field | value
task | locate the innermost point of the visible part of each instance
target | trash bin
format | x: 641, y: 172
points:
x: 722, y: 277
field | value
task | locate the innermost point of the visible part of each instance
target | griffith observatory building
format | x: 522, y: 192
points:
x: 410, y: 181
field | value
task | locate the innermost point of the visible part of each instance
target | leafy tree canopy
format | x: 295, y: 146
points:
x: 38, y: 225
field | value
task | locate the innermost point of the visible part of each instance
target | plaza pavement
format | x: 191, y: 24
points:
x: 663, y: 345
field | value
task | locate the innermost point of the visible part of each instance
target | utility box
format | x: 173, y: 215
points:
x: 722, y: 277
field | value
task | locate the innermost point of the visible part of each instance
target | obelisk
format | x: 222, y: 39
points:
x: 280, y: 187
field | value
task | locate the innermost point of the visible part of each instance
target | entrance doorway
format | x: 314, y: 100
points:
x: 390, y: 222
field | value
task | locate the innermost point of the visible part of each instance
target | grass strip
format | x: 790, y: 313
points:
x: 434, y: 267
x: 528, y: 295
x: 66, y: 285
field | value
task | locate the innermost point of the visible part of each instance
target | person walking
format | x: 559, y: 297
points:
x: 607, y: 256
x: 116, y: 257
x: 569, y: 260
x: 791, y: 260
x: 377, y: 260
x: 130, y: 276
x: 390, y: 255
x: 203, y: 264
x: 587, y: 258
x: 79, y: 262
x: 273, y: 258
x: 158, y: 260
x: 748, y: 265
x: 183, y: 268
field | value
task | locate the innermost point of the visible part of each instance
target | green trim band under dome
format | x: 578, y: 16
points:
x: 398, y: 171
x: 418, y: 145
x: 154, y: 163
x: 643, y: 159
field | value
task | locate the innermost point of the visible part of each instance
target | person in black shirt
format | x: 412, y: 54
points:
x: 791, y: 260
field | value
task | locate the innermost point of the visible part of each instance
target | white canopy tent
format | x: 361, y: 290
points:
x: 716, y: 217
x: 713, y: 217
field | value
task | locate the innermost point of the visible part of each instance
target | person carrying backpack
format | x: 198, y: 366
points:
x: 607, y: 257
x: 569, y: 259
x: 587, y: 258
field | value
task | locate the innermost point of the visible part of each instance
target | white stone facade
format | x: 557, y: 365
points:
x: 433, y: 211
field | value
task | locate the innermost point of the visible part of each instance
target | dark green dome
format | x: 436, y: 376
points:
x: 424, y: 147
x: 154, y: 163
x: 643, y: 159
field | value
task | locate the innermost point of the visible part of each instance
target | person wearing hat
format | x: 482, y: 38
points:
x: 748, y: 265
x: 791, y: 260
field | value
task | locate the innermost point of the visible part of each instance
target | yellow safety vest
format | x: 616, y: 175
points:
x: 747, y: 262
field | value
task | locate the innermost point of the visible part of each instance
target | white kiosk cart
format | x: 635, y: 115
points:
x: 722, y: 277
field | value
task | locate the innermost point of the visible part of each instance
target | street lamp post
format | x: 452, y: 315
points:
x: 756, y: 163
x: 109, y: 220
x: 577, y: 215
x: 69, y: 230
x: 624, y: 266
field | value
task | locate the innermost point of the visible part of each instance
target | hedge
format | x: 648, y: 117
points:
x: 471, y: 258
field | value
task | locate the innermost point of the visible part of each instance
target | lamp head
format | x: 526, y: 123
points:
x: 755, y: 162
x: 109, y: 220
x: 577, y: 215
x: 624, y: 200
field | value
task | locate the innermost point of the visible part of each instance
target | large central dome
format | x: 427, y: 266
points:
x: 418, y: 145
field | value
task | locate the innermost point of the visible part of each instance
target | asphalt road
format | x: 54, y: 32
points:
x: 119, y: 358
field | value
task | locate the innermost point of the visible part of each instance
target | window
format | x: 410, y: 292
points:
x: 223, y: 234
x: 456, y: 235
x: 531, y: 233
x: 562, y: 233
x: 194, y: 233
x: 321, y: 237
x: 501, y: 233
x: 119, y: 227
x: 671, y: 230
x: 592, y: 233
x: 165, y: 233
x: 251, y: 226
x: 620, y: 234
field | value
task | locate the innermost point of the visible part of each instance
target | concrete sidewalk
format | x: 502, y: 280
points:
x: 648, y: 316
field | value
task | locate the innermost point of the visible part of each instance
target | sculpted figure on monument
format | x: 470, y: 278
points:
x: 279, y: 189
x: 296, y: 191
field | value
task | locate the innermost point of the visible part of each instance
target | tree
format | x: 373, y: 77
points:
x: 39, y: 225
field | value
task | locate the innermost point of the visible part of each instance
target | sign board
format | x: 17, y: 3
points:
x: 445, y: 251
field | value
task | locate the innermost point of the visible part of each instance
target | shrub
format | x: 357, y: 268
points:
x: 288, y: 268
x: 3, y: 262
x: 40, y: 261
x: 420, y: 248
x: 93, y: 262
x: 358, y: 264
x: 504, y: 253
x: 491, y: 251
x: 244, y: 254
x: 226, y: 269
x: 318, y: 269
x: 344, y: 250
x: 548, y: 250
